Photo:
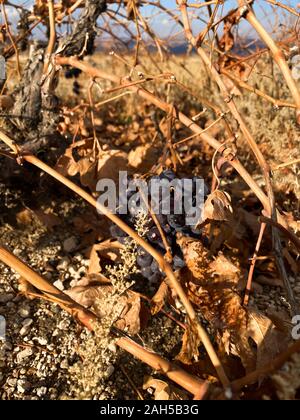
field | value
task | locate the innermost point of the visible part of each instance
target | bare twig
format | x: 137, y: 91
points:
x: 253, y: 262
x: 52, y: 37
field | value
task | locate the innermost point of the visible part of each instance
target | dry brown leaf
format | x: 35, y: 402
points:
x: 269, y: 281
x: 142, y: 157
x: 107, y: 165
x: 95, y: 297
x: 269, y: 340
x: 195, y: 255
x: 212, y: 287
x: 161, y: 389
x: 190, y: 343
x: 159, y: 299
x: 90, y: 167
x: 26, y: 217
x: 108, y: 250
x: 48, y: 219
x: 223, y: 266
x: 87, y: 295
x: 129, y: 319
x: 66, y: 165
x: 217, y: 206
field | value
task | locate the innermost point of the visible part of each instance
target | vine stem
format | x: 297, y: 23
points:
x: 52, y: 37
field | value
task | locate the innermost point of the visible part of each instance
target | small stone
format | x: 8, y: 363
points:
x: 297, y: 289
x: 7, y: 346
x: 59, y: 285
x: 64, y: 364
x: 109, y: 371
x: 74, y: 273
x: 23, y: 386
x: 63, y: 325
x: 24, y: 354
x: 24, y: 311
x: 41, y: 391
x: 27, y: 322
x: 112, y: 347
x: 12, y: 382
x: 6, y: 297
x: 63, y: 264
x: 26, y: 326
x: 42, y: 341
x: 70, y: 244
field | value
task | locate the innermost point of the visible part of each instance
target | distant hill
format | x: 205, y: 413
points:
x: 247, y: 47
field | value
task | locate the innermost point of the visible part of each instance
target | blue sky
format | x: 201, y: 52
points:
x: 164, y: 26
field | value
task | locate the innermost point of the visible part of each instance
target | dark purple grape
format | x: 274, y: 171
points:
x: 76, y: 88
x: 155, y: 278
x: 146, y: 272
x: 176, y: 221
x: 153, y: 235
x: 76, y: 72
x: 116, y: 231
x: 68, y: 74
x: 144, y: 259
x: 167, y: 174
x: 178, y: 262
x: 155, y: 267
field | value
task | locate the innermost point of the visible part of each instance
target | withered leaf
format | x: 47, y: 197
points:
x: 24, y: 217
x: 107, y: 165
x: 107, y: 249
x: 195, y: 255
x: 159, y: 299
x: 97, y: 298
x: 66, y: 164
x: 143, y: 157
x: 269, y: 340
x: 222, y: 265
x: 48, y: 219
x: 217, y: 206
x: 161, y: 389
x: 190, y: 342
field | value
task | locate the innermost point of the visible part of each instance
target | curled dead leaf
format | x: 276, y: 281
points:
x: 97, y: 298
x: 195, y: 256
x: 142, y: 157
x: 109, y: 250
x: 190, y: 343
x: 217, y: 206
x: 161, y: 389
x: 159, y: 299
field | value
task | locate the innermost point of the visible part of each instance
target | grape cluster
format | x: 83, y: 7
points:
x: 171, y: 224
